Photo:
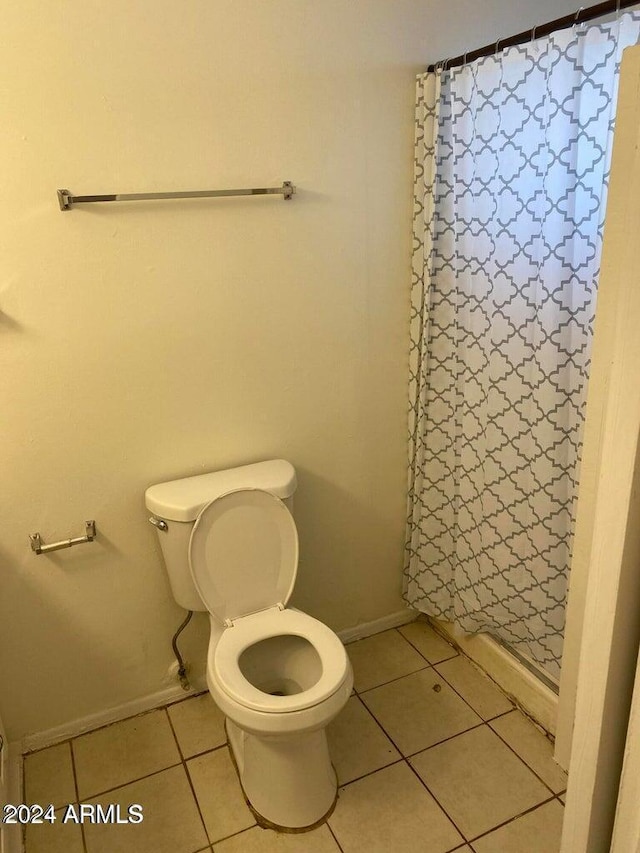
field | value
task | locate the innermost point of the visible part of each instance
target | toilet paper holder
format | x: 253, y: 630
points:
x: 38, y: 546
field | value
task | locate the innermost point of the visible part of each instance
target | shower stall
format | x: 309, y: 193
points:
x: 512, y: 159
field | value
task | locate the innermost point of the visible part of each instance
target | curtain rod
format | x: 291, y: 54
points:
x: 580, y: 17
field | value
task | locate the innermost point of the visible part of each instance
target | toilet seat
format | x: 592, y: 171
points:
x: 243, y: 554
x: 274, y: 622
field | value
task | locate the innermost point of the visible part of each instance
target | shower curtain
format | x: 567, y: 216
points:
x: 512, y: 158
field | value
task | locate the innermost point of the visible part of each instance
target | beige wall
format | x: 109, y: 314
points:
x: 147, y: 341
x: 603, y: 628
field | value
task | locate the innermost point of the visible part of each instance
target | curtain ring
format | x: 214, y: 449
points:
x: 497, y: 47
x: 533, y: 33
x: 618, y: 10
x: 577, y: 15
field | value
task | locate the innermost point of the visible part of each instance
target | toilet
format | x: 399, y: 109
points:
x: 280, y: 676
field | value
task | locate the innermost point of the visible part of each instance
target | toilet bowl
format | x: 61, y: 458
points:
x: 278, y: 675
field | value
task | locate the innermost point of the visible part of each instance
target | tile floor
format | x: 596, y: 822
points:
x: 430, y: 755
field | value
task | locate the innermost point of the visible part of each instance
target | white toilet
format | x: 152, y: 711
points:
x: 280, y: 676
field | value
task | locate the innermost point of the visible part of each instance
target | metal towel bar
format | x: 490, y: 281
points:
x: 39, y: 547
x: 66, y: 199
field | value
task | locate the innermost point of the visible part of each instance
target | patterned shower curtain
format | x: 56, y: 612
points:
x: 512, y: 159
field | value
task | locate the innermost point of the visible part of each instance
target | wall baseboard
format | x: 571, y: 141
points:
x: 531, y: 694
x: 40, y: 740
x: 366, y: 629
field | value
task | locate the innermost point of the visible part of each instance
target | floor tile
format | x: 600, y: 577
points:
x: 478, y: 781
x: 539, y: 831
x: 117, y: 754
x: 391, y: 811
x: 357, y: 744
x: 257, y: 840
x: 381, y: 658
x: 427, y: 641
x: 198, y: 724
x: 533, y: 747
x: 171, y: 822
x: 419, y: 710
x: 563, y: 798
x: 219, y: 794
x: 471, y: 769
x: 475, y: 687
x: 55, y: 837
x: 48, y: 776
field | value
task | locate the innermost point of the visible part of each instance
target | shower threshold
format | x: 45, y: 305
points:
x: 526, y: 662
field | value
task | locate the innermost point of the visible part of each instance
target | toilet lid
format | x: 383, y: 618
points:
x: 243, y: 553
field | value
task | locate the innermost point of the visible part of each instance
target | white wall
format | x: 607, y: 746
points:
x: 148, y: 341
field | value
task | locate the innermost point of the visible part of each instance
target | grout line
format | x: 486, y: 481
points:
x: 375, y: 719
x: 99, y: 728
x: 414, y: 771
x: 130, y: 782
x: 85, y: 846
x: 31, y: 752
x: 189, y: 780
x: 409, y: 643
x: 335, y: 837
x: 489, y: 831
x: 371, y: 772
x: 456, y: 651
x: 256, y: 825
x: 435, y: 626
x: 459, y: 695
x: 173, y: 702
x: 74, y: 771
x: 542, y: 802
x: 512, y: 819
x: 206, y: 751
x: 466, y: 701
x: 526, y: 764
x: 503, y: 714
x: 437, y: 802
x: 391, y: 680
x: 360, y: 695
x: 451, y: 686
x: 241, y: 832
x: 153, y: 773
x: 445, y: 740
x: 234, y: 834
x: 175, y: 736
x: 424, y: 748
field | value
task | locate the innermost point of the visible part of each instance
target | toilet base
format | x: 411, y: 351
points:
x: 288, y: 781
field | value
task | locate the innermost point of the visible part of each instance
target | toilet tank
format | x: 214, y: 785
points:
x: 179, y: 502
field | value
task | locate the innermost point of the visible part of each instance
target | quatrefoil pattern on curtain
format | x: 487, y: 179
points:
x: 512, y: 160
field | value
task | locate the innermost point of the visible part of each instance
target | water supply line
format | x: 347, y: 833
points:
x: 182, y: 669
